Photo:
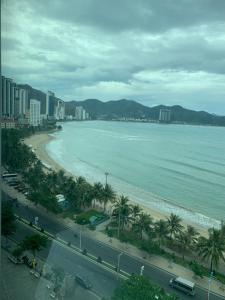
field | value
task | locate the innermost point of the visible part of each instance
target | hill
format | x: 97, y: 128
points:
x: 129, y: 109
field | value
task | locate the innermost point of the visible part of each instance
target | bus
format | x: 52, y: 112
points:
x: 183, y: 285
x: 8, y: 175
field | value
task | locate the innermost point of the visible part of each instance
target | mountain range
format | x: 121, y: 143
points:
x: 129, y: 109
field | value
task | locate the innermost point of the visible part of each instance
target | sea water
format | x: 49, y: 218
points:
x: 171, y: 168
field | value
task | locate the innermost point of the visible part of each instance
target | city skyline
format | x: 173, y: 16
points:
x: 150, y: 52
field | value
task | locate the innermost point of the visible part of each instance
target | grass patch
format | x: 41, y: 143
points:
x: 84, y: 217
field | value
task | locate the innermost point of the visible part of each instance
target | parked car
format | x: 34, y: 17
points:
x: 83, y: 281
x: 15, y: 260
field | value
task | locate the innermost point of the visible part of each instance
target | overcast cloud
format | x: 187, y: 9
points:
x: 156, y: 52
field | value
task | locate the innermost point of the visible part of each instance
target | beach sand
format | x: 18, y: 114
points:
x: 38, y: 143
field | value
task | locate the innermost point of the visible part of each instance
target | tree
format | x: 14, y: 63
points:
x: 98, y: 192
x: 192, y: 235
x: 143, y: 224
x: 135, y: 212
x: 34, y: 243
x: 17, y: 252
x: 140, y: 288
x: 212, y: 249
x: 197, y: 269
x: 161, y: 230
x: 122, y: 212
x: 108, y: 195
x: 183, y: 242
x: 174, y: 225
x: 8, y: 220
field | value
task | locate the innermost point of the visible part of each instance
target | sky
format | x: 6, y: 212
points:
x: 169, y: 52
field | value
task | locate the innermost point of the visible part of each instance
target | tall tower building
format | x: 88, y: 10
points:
x: 35, y: 112
x: 164, y: 115
x: 49, y: 100
x: 8, y: 97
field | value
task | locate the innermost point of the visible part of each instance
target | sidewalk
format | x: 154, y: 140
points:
x: 157, y: 261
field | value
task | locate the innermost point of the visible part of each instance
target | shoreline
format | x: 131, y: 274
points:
x: 38, y: 143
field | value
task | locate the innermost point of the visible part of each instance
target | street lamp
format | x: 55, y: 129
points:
x: 118, y: 264
x: 142, y: 270
x: 106, y: 175
x: 80, y: 239
x: 210, y: 280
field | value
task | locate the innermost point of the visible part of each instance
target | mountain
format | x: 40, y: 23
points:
x: 130, y: 109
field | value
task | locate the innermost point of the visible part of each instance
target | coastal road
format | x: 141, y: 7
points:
x: 128, y: 263
x: 59, y: 255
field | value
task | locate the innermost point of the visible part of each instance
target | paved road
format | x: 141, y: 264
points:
x: 17, y: 283
x: 57, y: 254
x: 127, y: 263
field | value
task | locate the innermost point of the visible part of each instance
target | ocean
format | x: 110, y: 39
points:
x: 170, y: 168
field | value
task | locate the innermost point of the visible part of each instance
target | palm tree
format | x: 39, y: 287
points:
x: 174, y: 225
x: 97, y: 192
x: 135, y: 212
x: 192, y: 235
x: 143, y: 223
x: 161, y: 230
x: 122, y: 212
x: 108, y: 194
x: 213, y: 248
x: 183, y: 241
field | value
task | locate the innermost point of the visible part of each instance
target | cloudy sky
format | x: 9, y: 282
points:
x: 153, y: 51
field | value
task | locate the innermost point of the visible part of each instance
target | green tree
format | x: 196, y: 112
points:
x: 122, y: 212
x: 17, y: 252
x: 135, y: 212
x: 8, y: 220
x: 212, y: 249
x: 174, y: 225
x: 197, y: 269
x: 34, y: 243
x: 143, y: 224
x: 140, y: 288
x: 161, y: 230
x: 98, y: 192
x: 108, y: 195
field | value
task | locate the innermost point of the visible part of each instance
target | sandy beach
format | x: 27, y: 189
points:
x: 38, y: 143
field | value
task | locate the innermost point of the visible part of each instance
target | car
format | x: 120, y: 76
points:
x: 15, y: 260
x: 83, y: 281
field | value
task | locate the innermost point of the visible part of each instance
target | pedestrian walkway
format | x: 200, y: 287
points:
x: 155, y: 260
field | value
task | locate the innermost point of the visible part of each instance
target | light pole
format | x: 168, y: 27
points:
x: 106, y: 175
x: 210, y: 280
x: 118, y: 230
x: 118, y: 264
x: 80, y: 239
x: 142, y: 270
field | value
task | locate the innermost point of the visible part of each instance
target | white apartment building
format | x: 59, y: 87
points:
x: 164, y: 115
x: 59, y: 111
x: 35, y: 112
x: 79, y: 113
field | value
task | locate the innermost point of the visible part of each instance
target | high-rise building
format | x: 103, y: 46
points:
x: 8, y: 97
x: 164, y: 115
x: 59, y: 109
x: 79, y: 112
x: 35, y: 112
x: 49, y: 104
x: 84, y: 115
x: 23, y: 101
